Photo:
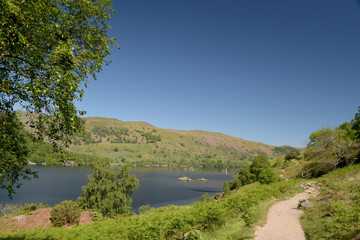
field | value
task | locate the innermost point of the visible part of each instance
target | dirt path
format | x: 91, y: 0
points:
x: 283, y: 219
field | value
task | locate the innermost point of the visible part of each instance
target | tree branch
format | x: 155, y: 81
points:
x: 20, y: 58
x: 5, y: 69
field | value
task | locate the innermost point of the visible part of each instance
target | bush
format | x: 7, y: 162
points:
x: 292, y: 155
x: 267, y: 176
x: 65, y: 213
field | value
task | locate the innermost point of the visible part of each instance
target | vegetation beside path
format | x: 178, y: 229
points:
x: 172, y: 222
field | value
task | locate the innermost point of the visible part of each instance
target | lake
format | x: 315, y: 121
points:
x: 158, y: 186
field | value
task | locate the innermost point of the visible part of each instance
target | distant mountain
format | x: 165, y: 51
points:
x: 144, y: 144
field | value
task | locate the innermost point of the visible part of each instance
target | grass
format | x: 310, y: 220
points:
x: 260, y: 213
x: 234, y: 229
x: 335, y: 214
x: 336, y: 210
x: 228, y: 218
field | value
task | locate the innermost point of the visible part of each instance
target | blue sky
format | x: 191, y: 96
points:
x: 268, y: 71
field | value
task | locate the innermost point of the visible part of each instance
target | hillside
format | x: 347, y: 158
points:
x: 144, y: 144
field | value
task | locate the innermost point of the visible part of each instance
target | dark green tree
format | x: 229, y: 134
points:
x: 356, y: 125
x: 48, y: 49
x: 267, y: 175
x: 242, y: 177
x: 259, y: 164
x: 292, y: 155
x: 108, y: 192
x: 260, y: 170
x: 13, y: 152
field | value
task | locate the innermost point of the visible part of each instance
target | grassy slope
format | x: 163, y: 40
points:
x: 336, y: 210
x: 176, y: 147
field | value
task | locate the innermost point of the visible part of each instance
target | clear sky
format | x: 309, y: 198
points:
x: 271, y: 71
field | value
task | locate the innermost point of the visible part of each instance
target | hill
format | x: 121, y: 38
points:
x: 144, y: 144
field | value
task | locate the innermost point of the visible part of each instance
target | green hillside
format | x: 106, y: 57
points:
x: 144, y: 144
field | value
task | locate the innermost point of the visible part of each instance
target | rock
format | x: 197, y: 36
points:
x: 30, y: 163
x: 201, y: 180
x: 305, y: 204
x: 69, y: 164
x: 192, y: 235
x: 184, y: 179
x: 311, y: 187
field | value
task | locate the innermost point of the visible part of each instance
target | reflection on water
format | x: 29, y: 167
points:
x: 158, y: 186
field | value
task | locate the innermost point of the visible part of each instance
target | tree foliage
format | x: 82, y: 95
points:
x: 13, y: 152
x: 242, y: 177
x: 48, y: 49
x: 292, y: 155
x: 65, y: 213
x: 108, y: 192
x: 260, y: 170
x: 356, y: 125
x: 329, y: 149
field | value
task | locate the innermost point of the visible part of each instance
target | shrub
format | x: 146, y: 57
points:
x: 267, y: 176
x: 144, y: 208
x: 65, y: 213
x: 292, y: 155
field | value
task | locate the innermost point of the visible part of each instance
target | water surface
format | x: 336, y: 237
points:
x: 158, y: 186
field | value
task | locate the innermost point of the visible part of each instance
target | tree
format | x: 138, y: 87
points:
x: 260, y: 170
x: 329, y: 149
x: 259, y: 164
x: 108, y: 192
x: 356, y: 125
x: 242, y: 177
x: 267, y: 175
x: 48, y: 49
x: 13, y: 152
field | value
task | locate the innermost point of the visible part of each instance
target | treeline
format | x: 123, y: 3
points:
x: 44, y: 153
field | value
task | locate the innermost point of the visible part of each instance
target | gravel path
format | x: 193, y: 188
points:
x: 283, y: 221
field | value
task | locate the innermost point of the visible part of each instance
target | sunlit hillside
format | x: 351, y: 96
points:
x: 145, y: 144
